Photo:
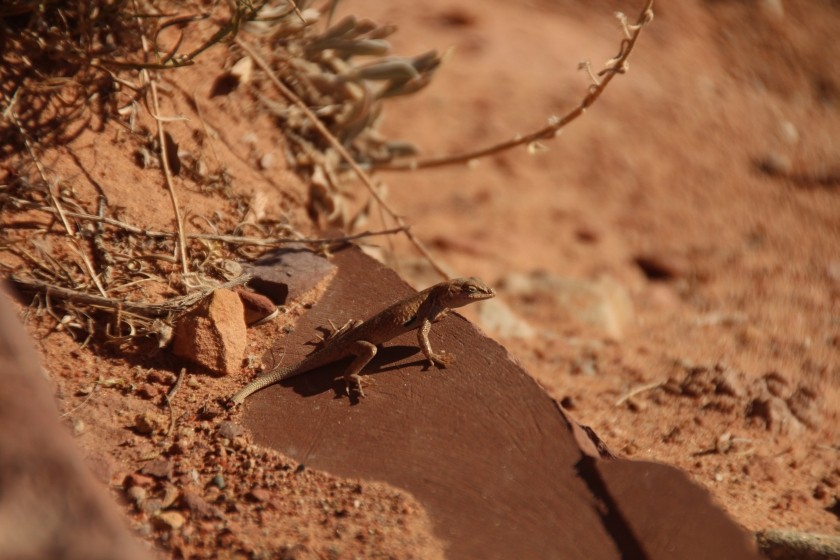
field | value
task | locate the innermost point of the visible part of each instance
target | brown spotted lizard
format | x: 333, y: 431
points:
x: 361, y: 338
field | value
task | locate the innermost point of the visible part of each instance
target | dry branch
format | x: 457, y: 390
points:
x: 617, y: 65
x: 175, y: 305
x: 232, y: 239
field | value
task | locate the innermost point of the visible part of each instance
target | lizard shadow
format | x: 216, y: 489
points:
x: 321, y: 380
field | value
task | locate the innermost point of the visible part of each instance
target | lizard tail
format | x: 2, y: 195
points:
x: 259, y: 383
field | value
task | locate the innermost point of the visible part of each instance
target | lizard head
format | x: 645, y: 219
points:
x: 463, y: 291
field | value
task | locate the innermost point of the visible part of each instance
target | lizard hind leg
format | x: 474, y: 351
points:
x: 364, y: 351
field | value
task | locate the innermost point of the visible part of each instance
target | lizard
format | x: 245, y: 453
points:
x: 361, y: 338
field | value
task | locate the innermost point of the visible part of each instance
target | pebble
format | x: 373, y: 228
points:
x: 198, y: 506
x: 230, y: 430
x: 267, y: 161
x: 803, y: 404
x: 158, y: 468
x: 137, y: 479
x: 137, y: 494
x: 146, y: 423
x: 171, y: 519
x: 258, y: 495
x: 258, y: 308
x: 218, y: 481
x: 147, y: 391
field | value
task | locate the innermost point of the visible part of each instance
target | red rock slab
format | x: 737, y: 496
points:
x: 480, y: 444
x: 661, y: 515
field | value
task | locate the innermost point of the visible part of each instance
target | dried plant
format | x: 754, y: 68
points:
x: 71, y: 65
x: 67, y: 67
x: 321, y: 69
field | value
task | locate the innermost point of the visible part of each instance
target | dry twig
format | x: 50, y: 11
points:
x: 167, y: 171
x: 617, y: 65
x: 639, y: 390
x: 171, y: 395
x: 232, y: 239
x: 175, y: 305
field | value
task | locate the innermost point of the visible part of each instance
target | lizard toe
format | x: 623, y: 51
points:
x: 442, y: 359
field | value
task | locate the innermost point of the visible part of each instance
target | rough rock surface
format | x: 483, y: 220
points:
x: 213, y: 334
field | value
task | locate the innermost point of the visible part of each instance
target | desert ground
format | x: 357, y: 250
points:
x: 667, y: 266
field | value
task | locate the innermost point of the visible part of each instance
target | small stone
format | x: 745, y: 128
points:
x: 258, y: 308
x: 146, y: 423
x: 137, y: 479
x: 147, y: 391
x: 218, y: 481
x: 213, y: 334
x: 267, y: 161
x: 776, y: 383
x: 242, y: 69
x: 137, y: 494
x: 170, y: 519
x: 151, y: 507
x: 775, y: 414
x: 185, y: 438
x: 170, y: 495
x: 804, y: 406
x: 198, y: 506
x: 728, y: 383
x: 158, y: 468
x: 258, y: 495
x: 78, y: 427
x: 230, y: 430
x: 820, y: 492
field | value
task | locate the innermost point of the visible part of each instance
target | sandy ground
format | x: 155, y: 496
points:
x: 702, y: 190
x: 665, y: 170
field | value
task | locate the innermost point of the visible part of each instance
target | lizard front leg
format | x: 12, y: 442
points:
x: 438, y: 360
x: 364, y: 351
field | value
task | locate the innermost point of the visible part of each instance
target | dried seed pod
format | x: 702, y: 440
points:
x: 394, y: 69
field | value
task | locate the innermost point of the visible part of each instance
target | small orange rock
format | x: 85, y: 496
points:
x: 213, y: 334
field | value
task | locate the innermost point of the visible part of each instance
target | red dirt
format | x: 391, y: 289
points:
x: 713, y: 162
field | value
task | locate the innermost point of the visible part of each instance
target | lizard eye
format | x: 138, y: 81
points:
x: 472, y: 289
